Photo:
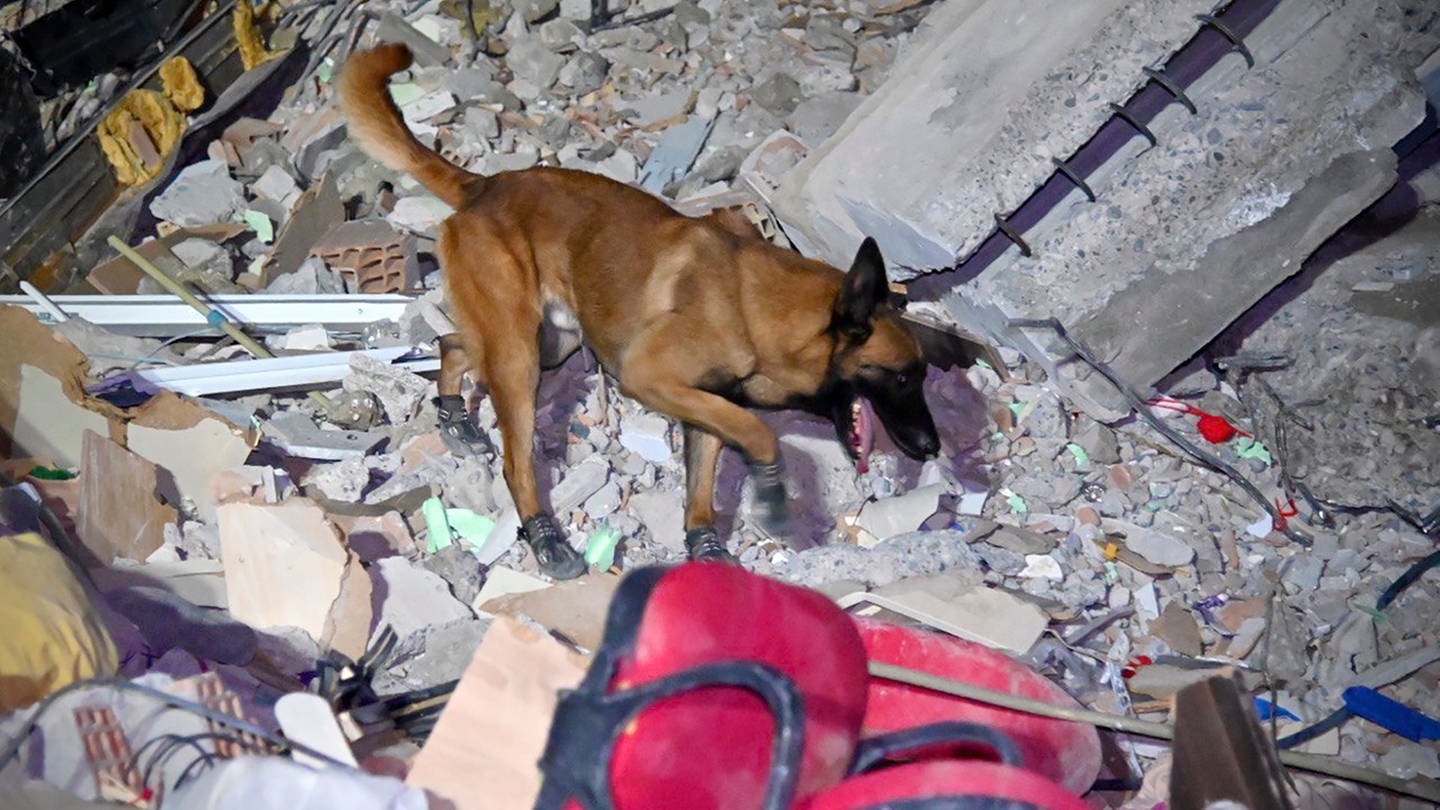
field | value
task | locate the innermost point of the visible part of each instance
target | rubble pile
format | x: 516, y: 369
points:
x: 288, y: 517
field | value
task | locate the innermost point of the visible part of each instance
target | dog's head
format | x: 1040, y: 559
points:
x: 877, y: 369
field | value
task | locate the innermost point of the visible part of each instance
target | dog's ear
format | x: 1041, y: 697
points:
x: 864, y: 289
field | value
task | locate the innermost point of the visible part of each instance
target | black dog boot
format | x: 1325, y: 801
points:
x: 557, y: 558
x: 457, y: 431
x: 772, y: 508
x: 705, y: 545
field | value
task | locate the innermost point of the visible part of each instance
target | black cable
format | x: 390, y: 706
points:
x: 1336, y: 719
x: 174, y: 701
x: 1405, y: 580
x: 1138, y: 404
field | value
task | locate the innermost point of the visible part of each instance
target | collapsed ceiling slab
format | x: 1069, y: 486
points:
x: 994, y: 105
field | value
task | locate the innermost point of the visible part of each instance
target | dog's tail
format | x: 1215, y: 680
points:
x: 376, y: 124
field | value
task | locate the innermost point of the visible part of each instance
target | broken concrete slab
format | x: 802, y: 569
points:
x: 400, y: 390
x: 1194, y: 308
x: 296, y: 434
x: 201, y: 194
x: 915, y: 199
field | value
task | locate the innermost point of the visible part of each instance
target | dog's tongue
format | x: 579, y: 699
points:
x: 865, y: 433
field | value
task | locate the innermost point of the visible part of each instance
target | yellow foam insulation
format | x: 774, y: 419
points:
x: 181, y: 85
x: 253, y: 52
x: 138, y: 134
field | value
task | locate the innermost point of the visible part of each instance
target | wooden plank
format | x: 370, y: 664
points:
x: 1220, y: 751
x: 119, y: 513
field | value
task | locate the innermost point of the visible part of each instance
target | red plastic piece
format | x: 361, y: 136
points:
x: 945, y: 779
x: 1065, y: 752
x: 711, y: 748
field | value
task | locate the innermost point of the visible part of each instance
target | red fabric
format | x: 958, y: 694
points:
x: 1065, y: 752
x: 712, y: 748
x: 1215, y: 429
x: 941, y: 779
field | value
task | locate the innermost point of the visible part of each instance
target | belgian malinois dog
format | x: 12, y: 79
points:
x: 696, y: 318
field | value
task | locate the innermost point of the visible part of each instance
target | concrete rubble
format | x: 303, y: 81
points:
x: 285, y: 537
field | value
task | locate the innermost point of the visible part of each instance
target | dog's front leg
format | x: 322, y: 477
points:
x: 662, y: 370
x: 702, y: 454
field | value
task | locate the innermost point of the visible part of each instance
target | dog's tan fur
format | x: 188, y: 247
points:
x: 671, y: 305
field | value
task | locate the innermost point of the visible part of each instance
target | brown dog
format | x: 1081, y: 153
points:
x: 695, y: 318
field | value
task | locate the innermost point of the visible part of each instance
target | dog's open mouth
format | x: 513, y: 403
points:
x: 862, y: 433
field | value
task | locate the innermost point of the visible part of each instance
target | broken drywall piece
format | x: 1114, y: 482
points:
x: 988, y: 616
x: 48, y: 424
x: 317, y: 211
x: 575, y: 609
x: 193, y: 455
x: 30, y: 342
x: 501, y: 581
x: 119, y: 514
x: 900, y: 514
x: 483, y: 752
x: 309, y: 720
x: 347, y: 627
x: 284, y: 564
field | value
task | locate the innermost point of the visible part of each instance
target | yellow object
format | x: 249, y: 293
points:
x: 53, y: 634
x: 138, y: 134
x: 181, y: 85
x: 1112, y: 551
x: 253, y: 52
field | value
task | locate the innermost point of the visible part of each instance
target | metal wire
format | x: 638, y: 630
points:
x: 1425, y: 789
x: 1138, y: 404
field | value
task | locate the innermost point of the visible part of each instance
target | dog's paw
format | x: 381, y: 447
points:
x: 557, y: 558
x: 705, y: 545
x: 459, y: 434
x: 772, y: 504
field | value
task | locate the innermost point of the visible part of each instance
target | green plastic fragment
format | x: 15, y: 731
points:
x: 325, y: 71
x: 1081, y: 457
x: 405, y: 92
x: 262, y: 226
x: 600, y: 551
x: 51, y: 474
x: 470, y: 526
x: 445, y: 526
x: 1248, y: 448
x: 1017, y: 504
x: 980, y: 361
x: 438, y: 532
x: 1017, y: 408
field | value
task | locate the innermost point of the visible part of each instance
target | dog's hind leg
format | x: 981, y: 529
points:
x: 498, y: 309
x: 702, y: 453
x: 456, y: 429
